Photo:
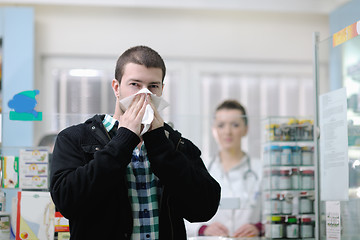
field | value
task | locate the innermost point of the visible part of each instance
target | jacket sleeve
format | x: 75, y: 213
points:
x: 182, y: 172
x: 82, y: 175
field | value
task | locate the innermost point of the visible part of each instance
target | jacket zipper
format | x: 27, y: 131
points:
x: 107, y: 134
x: 132, y: 218
x: 171, y: 224
x: 125, y: 178
x: 167, y: 202
x: 178, y: 144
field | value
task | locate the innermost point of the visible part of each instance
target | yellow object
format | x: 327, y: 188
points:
x: 63, y: 236
x: 293, y: 121
x: 275, y: 218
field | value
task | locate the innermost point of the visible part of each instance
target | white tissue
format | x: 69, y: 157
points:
x: 158, y: 102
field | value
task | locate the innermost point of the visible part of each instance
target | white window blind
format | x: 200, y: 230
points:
x: 193, y: 89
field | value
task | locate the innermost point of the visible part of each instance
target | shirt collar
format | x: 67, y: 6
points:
x: 245, y: 160
x: 109, y: 122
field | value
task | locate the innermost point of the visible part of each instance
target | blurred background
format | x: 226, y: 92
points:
x: 259, y: 52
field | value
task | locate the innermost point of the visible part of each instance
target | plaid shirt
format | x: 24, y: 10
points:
x: 143, y: 191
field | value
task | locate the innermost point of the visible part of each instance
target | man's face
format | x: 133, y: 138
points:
x: 137, y: 77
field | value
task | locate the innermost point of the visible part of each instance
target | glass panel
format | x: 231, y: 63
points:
x: 339, y: 67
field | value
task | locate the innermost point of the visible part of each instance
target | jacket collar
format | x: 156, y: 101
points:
x: 97, y: 129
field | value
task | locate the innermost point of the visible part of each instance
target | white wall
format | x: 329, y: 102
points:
x: 177, y: 33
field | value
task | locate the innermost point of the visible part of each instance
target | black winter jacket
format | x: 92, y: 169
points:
x: 89, y: 187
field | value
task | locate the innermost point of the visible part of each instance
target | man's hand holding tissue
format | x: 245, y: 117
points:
x: 133, y: 116
x: 151, y: 118
x: 158, y: 121
x: 131, y: 119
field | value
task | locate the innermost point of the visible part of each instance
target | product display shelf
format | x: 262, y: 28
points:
x: 288, y: 170
x: 24, y: 172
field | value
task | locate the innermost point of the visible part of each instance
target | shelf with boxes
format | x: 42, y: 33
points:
x: 288, y: 175
x: 24, y: 188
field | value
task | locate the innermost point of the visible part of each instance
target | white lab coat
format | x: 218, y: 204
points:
x: 236, y: 191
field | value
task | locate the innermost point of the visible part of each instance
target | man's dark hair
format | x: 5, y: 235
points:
x: 233, y: 104
x: 141, y: 55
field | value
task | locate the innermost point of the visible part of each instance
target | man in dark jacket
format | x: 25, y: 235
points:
x: 114, y: 182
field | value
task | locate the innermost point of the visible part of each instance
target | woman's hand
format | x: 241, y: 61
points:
x: 216, y: 229
x: 247, y: 230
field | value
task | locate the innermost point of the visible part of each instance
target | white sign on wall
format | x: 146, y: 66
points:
x: 334, y: 169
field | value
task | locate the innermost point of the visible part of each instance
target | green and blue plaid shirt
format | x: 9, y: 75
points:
x: 143, y: 191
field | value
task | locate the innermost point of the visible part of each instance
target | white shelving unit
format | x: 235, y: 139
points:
x: 289, y: 184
